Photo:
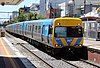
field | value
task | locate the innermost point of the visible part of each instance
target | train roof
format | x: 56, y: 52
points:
x: 19, y: 22
x: 68, y: 18
x: 43, y: 21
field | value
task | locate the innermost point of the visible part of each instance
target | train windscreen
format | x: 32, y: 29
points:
x: 72, y: 31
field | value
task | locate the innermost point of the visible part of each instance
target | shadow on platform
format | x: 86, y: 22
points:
x: 15, y: 62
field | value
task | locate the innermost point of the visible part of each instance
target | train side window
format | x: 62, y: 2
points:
x: 33, y: 28
x: 36, y: 29
x: 39, y: 29
x: 28, y: 27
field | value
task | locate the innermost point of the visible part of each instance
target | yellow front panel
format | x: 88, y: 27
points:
x: 66, y: 22
x: 64, y: 42
x: 73, y: 42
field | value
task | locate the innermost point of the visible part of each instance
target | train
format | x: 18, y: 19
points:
x: 91, y: 27
x: 57, y: 35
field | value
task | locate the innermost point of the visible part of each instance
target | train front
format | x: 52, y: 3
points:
x: 67, y: 33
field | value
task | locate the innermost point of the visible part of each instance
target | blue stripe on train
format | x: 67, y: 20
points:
x: 59, y: 41
x: 69, y: 40
x: 78, y: 41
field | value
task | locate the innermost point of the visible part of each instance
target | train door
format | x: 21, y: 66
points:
x: 23, y: 29
x: 45, y: 33
x: 26, y: 29
x: 50, y: 35
x: 32, y: 30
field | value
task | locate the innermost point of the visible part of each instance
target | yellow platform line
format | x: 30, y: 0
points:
x: 8, y: 54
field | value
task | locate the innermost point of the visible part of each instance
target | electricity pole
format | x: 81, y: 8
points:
x: 84, y: 5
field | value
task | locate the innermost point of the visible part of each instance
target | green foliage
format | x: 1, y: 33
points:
x: 37, y: 16
x: 40, y: 16
x: 21, y: 17
x: 28, y: 16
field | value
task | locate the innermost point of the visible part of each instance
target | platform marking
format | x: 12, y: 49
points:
x: 13, y: 48
x: 27, y: 65
x: 5, y: 48
x: 8, y: 54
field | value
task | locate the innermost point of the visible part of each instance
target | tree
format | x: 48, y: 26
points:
x: 30, y: 15
x: 37, y: 16
x: 15, y: 19
x: 22, y: 17
x: 40, y: 16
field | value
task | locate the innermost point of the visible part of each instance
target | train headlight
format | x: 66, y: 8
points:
x: 78, y: 24
x: 58, y: 23
x: 78, y: 45
x: 58, y: 45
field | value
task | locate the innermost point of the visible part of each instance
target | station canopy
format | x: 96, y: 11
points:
x: 10, y: 2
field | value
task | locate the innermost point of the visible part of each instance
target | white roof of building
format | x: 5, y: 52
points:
x: 93, y: 13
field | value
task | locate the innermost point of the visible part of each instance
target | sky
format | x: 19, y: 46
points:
x: 10, y: 8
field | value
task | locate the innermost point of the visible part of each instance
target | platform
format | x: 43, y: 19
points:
x: 11, y: 58
x: 93, y: 49
x: 92, y: 43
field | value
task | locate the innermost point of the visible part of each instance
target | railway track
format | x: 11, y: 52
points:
x: 81, y: 64
x: 28, y: 51
x: 48, y: 65
x: 75, y: 64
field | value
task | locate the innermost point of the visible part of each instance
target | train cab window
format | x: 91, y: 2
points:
x: 60, y: 32
x: 74, y: 31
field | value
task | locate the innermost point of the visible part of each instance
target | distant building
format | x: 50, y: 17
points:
x: 53, y: 13
x: 43, y: 10
x: 35, y: 8
x: 15, y: 14
x: 68, y: 7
